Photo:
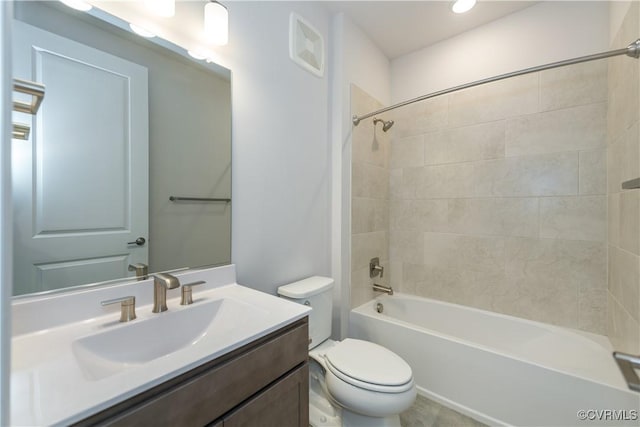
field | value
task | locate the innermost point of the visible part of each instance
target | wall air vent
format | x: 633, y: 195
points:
x: 306, y: 45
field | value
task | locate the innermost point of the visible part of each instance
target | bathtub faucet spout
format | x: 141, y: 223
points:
x: 381, y: 288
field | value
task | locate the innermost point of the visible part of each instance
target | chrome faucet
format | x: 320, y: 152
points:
x: 162, y: 282
x: 381, y: 288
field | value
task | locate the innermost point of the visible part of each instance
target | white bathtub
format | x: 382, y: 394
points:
x: 499, y: 369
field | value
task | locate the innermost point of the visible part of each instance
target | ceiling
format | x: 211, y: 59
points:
x: 400, y: 27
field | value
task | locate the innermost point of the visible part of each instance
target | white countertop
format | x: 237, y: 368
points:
x: 50, y: 387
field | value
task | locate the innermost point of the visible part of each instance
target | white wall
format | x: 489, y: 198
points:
x: 281, y: 172
x: 617, y: 12
x: 355, y: 60
x: 288, y: 178
x: 364, y: 64
x: 546, y: 32
x: 6, y: 14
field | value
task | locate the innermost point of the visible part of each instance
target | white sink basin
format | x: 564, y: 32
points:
x: 63, y: 374
x: 140, y: 341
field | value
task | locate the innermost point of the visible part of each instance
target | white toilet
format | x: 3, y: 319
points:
x: 351, y: 382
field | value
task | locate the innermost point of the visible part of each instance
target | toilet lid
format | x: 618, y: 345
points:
x: 369, y: 363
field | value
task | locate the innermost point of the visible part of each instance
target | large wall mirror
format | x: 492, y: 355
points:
x: 125, y: 126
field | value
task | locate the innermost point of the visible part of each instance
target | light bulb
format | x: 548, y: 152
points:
x: 462, y: 6
x: 216, y: 23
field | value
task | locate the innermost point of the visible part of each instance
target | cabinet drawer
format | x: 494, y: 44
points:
x: 207, y: 396
x: 283, y: 404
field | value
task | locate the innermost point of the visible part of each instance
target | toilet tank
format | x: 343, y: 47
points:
x: 315, y: 292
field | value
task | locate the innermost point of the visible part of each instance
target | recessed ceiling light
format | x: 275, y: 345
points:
x: 77, y: 5
x: 141, y: 31
x: 462, y: 6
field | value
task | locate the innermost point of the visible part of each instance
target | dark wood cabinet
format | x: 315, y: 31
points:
x: 264, y: 383
x: 285, y: 403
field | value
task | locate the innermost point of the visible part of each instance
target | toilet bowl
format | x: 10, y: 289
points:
x: 352, y: 382
x: 365, y: 379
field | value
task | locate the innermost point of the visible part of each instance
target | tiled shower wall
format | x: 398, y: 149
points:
x: 623, y: 296
x: 369, y: 197
x: 498, y: 197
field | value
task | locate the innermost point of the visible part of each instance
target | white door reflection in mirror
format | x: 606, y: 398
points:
x: 74, y: 219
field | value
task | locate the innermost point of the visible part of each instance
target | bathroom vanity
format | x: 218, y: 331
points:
x: 262, y: 383
x: 234, y: 357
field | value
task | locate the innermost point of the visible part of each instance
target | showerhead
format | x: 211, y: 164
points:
x: 386, y: 125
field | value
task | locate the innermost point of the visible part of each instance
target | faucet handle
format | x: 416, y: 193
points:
x: 186, y: 292
x: 127, y: 307
x: 142, y: 270
x: 375, y: 268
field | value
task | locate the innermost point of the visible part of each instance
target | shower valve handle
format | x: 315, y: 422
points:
x: 375, y: 268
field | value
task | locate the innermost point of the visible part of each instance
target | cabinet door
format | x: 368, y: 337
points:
x: 284, y: 404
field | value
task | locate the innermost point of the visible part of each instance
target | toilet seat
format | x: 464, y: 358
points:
x: 369, y: 366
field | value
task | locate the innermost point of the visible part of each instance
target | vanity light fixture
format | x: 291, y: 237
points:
x: 164, y: 8
x: 77, y: 5
x: 462, y: 6
x: 216, y: 23
x: 141, y: 31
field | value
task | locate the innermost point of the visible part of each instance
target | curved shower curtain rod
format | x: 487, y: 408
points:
x: 633, y: 50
